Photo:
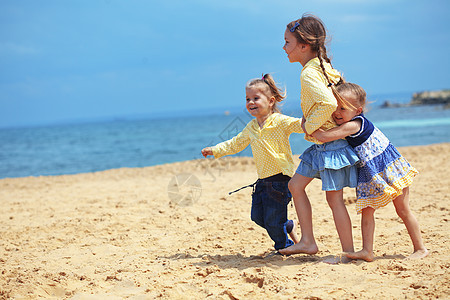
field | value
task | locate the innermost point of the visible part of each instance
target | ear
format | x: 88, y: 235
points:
x: 305, y: 47
x: 359, y: 110
x: 272, y: 101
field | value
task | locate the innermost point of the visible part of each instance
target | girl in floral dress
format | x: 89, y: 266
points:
x: 384, y: 175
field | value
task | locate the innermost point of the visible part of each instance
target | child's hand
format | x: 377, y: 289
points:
x: 207, y: 151
x: 303, y: 126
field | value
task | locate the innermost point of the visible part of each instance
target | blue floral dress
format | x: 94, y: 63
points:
x: 384, y: 172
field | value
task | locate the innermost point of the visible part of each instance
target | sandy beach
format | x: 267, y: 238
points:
x: 133, y: 233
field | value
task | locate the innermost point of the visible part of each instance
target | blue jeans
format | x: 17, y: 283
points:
x: 269, y: 210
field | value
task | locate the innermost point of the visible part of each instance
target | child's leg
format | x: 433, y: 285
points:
x: 341, y: 218
x: 367, y: 229
x: 290, y: 228
x: 257, y: 210
x: 275, y: 200
x: 401, y: 204
x: 275, y: 220
x: 307, y: 244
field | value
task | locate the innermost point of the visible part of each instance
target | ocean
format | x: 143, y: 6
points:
x: 96, y: 146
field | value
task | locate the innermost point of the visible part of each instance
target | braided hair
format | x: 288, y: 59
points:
x: 310, y: 30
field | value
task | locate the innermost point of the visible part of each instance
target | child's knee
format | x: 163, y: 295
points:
x: 291, y: 186
x: 368, y: 211
x: 257, y: 217
x: 336, y: 205
x: 295, y: 187
x: 335, y: 199
x: 402, y: 211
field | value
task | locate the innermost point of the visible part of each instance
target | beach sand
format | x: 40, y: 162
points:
x: 131, y: 233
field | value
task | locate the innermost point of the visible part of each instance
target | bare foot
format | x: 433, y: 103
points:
x: 338, y: 259
x: 362, y: 254
x: 294, y: 235
x: 419, y: 254
x: 299, y: 248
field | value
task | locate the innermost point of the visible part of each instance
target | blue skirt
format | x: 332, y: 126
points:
x: 335, y: 163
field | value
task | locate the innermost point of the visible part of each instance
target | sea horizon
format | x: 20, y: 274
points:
x: 133, y: 142
x: 289, y: 106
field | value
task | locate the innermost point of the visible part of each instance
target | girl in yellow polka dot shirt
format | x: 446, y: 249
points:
x: 268, y: 134
x: 334, y: 162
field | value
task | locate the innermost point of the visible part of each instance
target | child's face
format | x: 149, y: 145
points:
x: 291, y: 46
x: 295, y: 51
x: 257, y: 103
x: 343, y: 115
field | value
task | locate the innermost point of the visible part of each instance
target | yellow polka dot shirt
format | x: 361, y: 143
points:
x: 270, y: 145
x: 317, y: 99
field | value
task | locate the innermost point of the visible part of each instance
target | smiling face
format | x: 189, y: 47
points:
x: 258, y: 104
x: 342, y: 114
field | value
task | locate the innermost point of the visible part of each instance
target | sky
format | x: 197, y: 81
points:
x: 83, y: 60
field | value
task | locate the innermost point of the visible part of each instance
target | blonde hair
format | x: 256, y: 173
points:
x: 310, y: 30
x: 266, y: 84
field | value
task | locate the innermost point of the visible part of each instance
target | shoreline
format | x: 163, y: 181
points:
x: 169, y: 163
x: 128, y: 233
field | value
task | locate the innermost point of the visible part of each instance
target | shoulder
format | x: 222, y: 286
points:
x: 358, y: 118
x: 285, y: 119
x: 276, y: 120
x: 365, y: 123
x: 250, y: 126
x: 280, y: 116
x: 365, y: 127
x: 354, y: 126
x: 312, y: 77
x: 310, y: 72
x: 363, y: 117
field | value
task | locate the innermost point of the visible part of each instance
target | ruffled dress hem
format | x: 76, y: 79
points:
x: 384, y: 197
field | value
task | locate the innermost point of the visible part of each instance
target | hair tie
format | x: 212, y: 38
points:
x: 330, y: 84
x: 262, y: 78
x: 294, y: 27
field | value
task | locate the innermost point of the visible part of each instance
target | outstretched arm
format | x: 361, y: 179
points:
x: 337, y: 133
x: 232, y: 146
x: 292, y: 124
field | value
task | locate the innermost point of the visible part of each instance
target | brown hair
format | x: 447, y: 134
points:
x: 310, y: 30
x: 355, y: 91
x: 267, y: 85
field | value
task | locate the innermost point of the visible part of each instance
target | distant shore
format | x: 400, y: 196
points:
x: 439, y: 97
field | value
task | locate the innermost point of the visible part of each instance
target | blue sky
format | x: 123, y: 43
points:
x: 65, y: 61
